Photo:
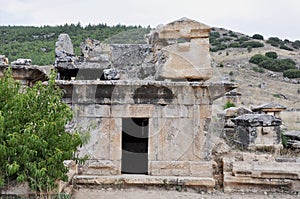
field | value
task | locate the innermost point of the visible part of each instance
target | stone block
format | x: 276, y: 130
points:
x: 200, y: 139
x: 96, y: 110
x: 207, y: 183
x: 169, y: 168
x: 177, y: 111
x: 269, y: 170
x: 175, y: 137
x: 97, y: 147
x: 115, y: 141
x: 100, y: 167
x: 205, y: 111
x: 185, y: 95
x: 201, y: 169
x: 248, y: 184
x: 131, y: 111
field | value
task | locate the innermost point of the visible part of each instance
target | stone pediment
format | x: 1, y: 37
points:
x: 183, y: 28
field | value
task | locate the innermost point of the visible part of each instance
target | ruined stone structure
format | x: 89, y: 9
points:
x: 258, y: 131
x: 3, y: 60
x: 250, y: 172
x: 148, y: 106
x: 233, y: 97
x: 148, y: 109
x: 23, y: 71
x: 269, y: 108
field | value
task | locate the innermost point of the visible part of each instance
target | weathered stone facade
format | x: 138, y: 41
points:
x: 179, y: 116
x: 148, y: 106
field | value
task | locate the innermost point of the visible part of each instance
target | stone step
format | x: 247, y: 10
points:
x: 249, y: 184
x: 273, y: 170
x: 136, y: 180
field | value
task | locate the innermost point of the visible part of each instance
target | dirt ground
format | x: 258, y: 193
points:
x: 84, y: 193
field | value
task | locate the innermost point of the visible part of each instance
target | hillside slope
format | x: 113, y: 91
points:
x: 259, y: 88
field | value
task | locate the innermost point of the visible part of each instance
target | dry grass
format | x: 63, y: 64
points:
x: 248, y: 81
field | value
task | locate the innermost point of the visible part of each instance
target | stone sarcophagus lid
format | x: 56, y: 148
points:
x: 185, y: 43
x: 258, y: 131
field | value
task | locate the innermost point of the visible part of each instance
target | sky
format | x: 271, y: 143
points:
x: 279, y: 18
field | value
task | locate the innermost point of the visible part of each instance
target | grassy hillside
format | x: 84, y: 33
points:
x: 38, y: 43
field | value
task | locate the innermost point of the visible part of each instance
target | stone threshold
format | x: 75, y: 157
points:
x: 135, y: 180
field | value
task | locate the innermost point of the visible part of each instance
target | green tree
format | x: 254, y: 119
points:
x: 34, y: 142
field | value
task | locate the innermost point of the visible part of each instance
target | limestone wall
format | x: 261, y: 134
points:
x: 179, y: 115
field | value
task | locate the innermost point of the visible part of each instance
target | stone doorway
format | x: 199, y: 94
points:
x: 135, y: 133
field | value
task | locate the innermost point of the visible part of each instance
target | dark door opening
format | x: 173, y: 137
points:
x: 135, y: 145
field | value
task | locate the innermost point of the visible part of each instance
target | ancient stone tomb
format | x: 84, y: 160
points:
x: 147, y: 107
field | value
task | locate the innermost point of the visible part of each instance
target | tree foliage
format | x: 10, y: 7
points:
x: 34, y: 142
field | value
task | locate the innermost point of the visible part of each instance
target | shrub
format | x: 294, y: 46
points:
x: 215, y: 34
x: 284, y: 140
x: 285, y: 47
x: 232, y: 34
x: 249, y: 49
x: 234, y: 45
x: 275, y: 44
x: 277, y: 65
x: 274, y: 41
x: 242, y: 39
x: 213, y: 49
x: 256, y: 59
x: 258, y: 70
x: 272, y: 55
x: 214, y: 41
x: 253, y: 44
x: 258, y: 36
x: 292, y: 73
x: 272, y: 64
x: 287, y: 64
x: 218, y: 47
x: 296, y: 44
x: 228, y: 105
x: 225, y: 39
x: 269, y: 64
